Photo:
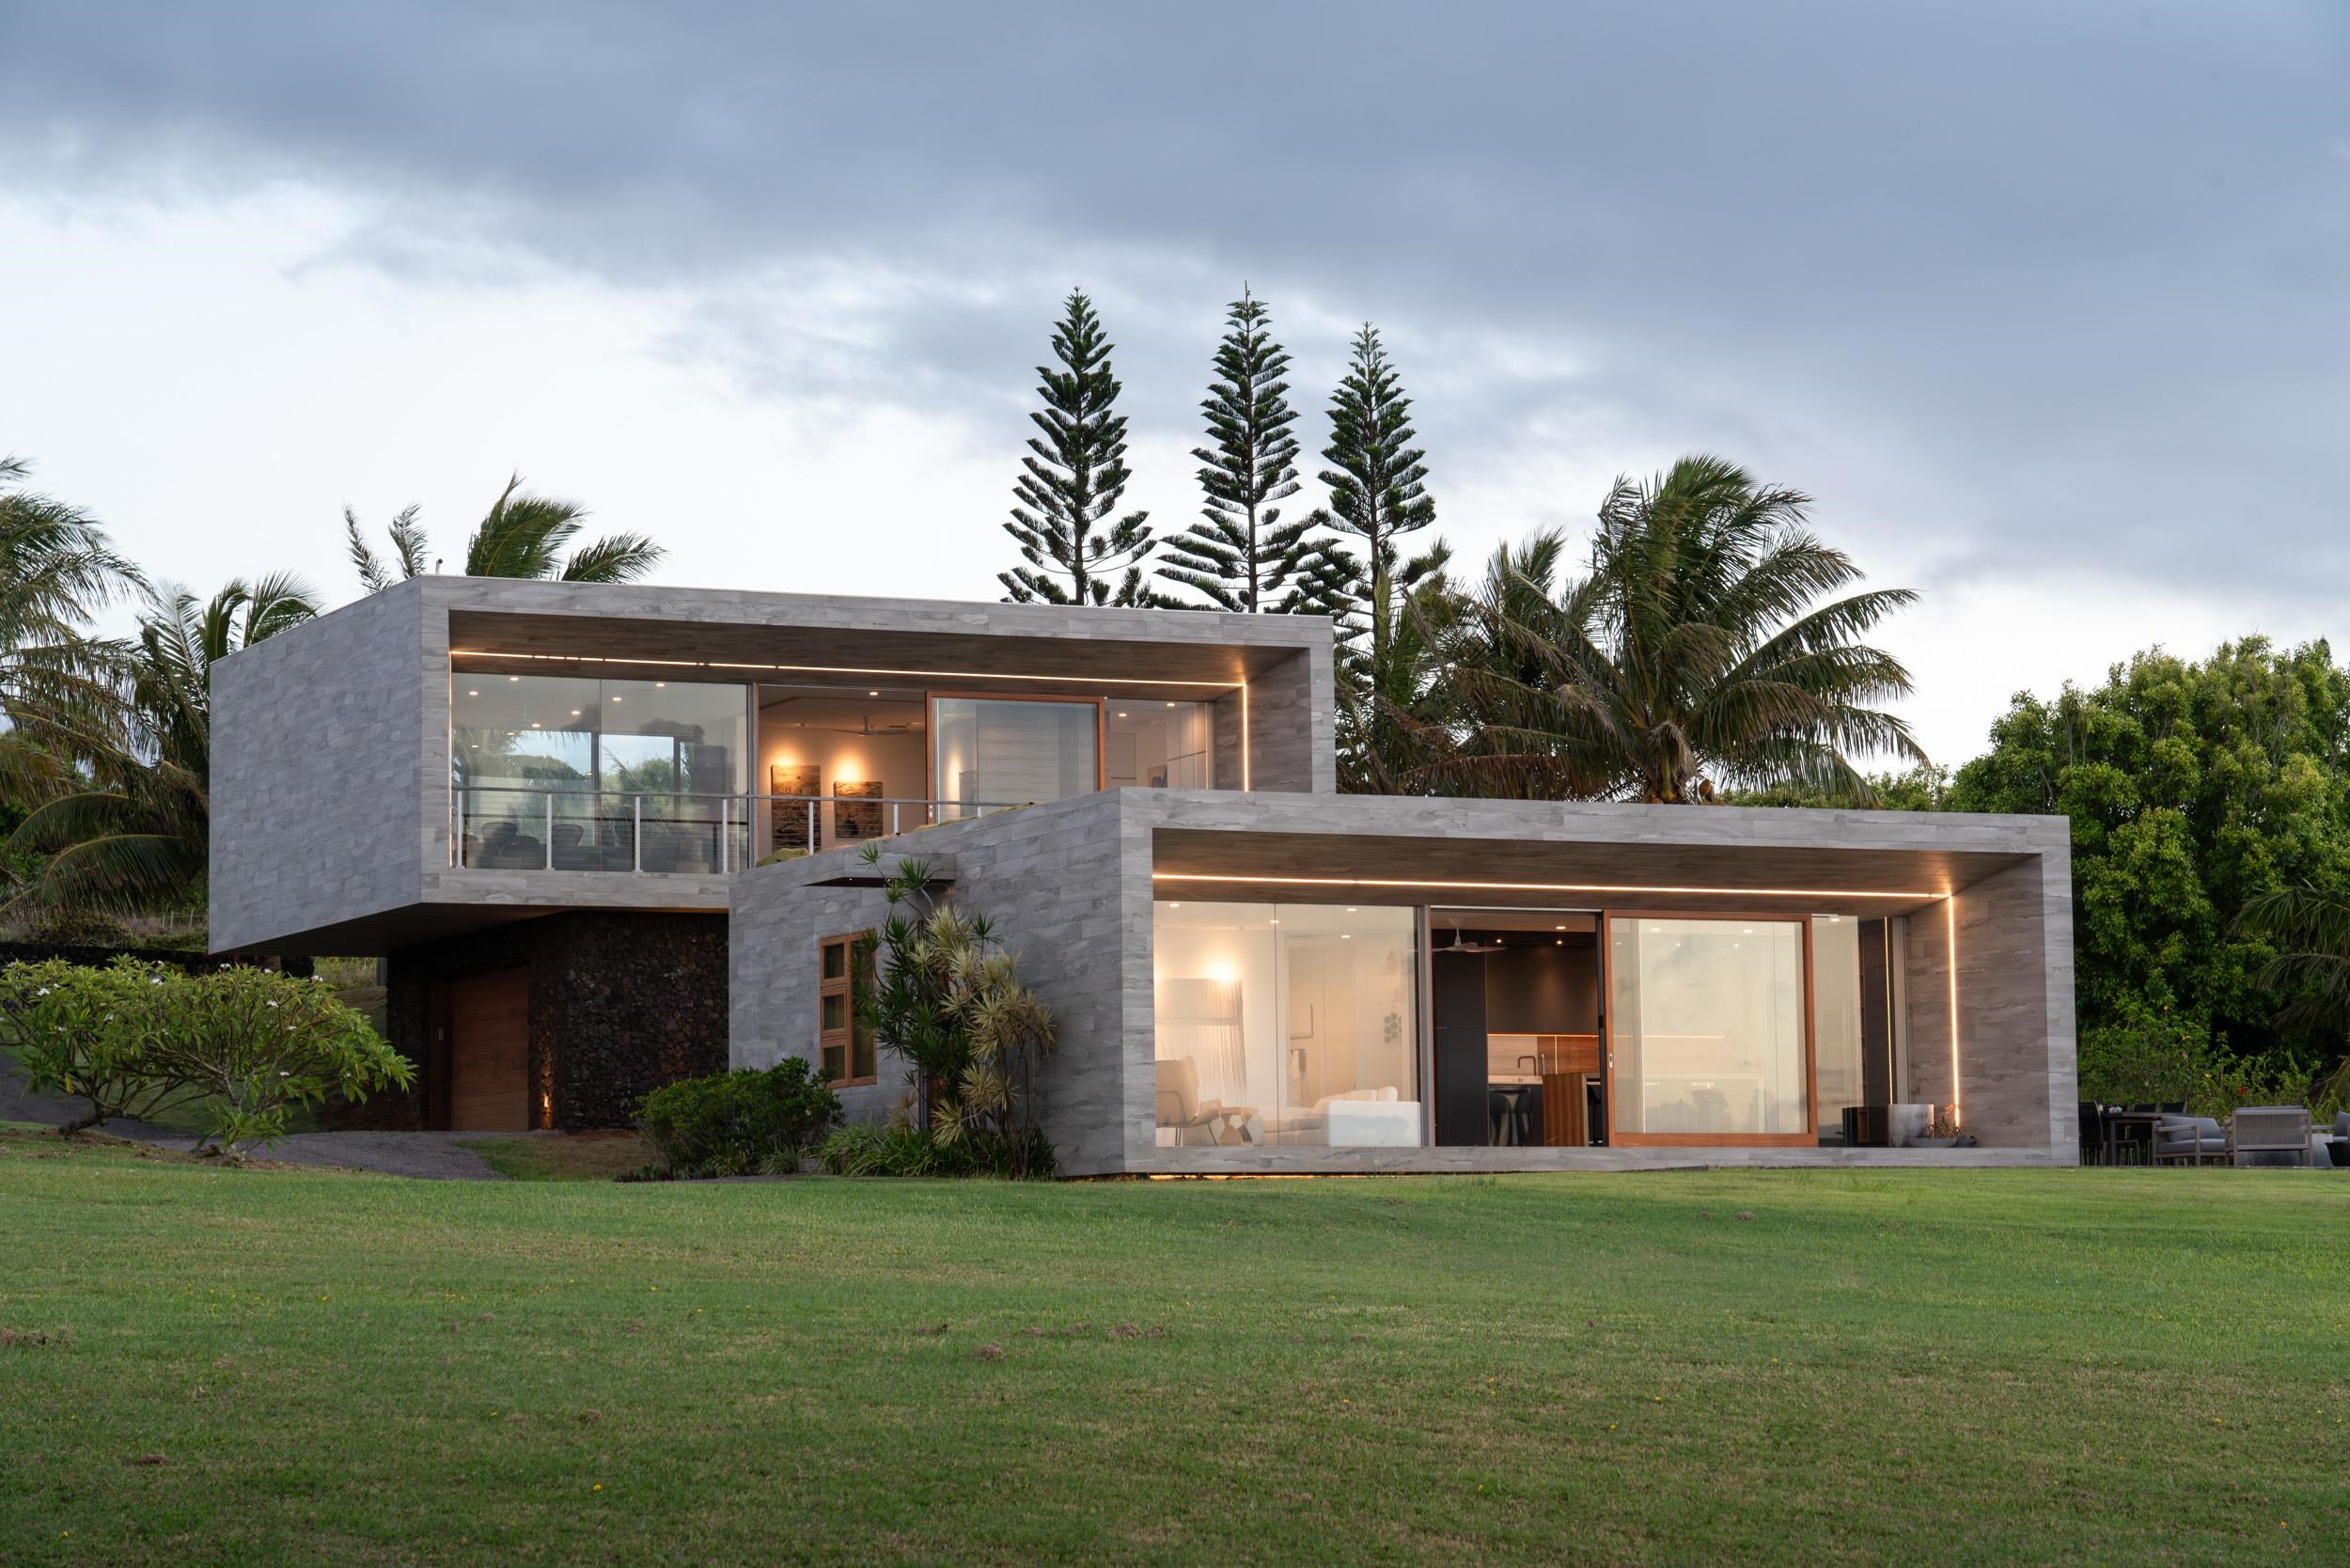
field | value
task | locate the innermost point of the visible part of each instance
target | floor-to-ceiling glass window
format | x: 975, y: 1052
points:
x: 1159, y: 745
x: 1286, y: 1025
x: 1856, y: 1033
x: 1708, y: 1028
x: 1836, y: 1012
x: 991, y: 752
x: 564, y: 771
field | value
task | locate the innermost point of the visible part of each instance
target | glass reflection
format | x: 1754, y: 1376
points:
x: 1707, y: 1027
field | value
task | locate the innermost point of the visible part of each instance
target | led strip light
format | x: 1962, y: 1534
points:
x: 1540, y: 886
x: 845, y: 669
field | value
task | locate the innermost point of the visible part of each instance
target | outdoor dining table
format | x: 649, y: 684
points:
x: 2117, y: 1121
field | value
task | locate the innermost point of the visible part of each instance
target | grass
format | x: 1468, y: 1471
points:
x: 571, y: 1157
x: 281, y: 1366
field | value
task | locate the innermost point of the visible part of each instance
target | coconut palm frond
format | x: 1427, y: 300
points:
x: 1693, y: 652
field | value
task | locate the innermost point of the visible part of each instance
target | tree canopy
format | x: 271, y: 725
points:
x: 2193, y: 788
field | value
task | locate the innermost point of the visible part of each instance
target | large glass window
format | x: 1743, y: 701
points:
x: 1164, y: 746
x: 562, y: 771
x: 1286, y: 1025
x: 992, y: 752
x: 1707, y: 1025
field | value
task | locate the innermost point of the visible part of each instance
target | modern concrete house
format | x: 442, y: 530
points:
x: 605, y: 837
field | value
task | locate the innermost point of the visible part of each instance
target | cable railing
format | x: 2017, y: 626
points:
x: 538, y: 829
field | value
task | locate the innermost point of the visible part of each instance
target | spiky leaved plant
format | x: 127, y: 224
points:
x: 935, y: 986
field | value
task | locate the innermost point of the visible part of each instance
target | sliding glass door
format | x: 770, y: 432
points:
x: 1710, y: 1030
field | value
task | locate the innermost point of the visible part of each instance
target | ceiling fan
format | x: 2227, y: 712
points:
x: 1459, y: 947
x: 869, y: 728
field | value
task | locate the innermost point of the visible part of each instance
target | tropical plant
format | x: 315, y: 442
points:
x: 1240, y: 556
x: 244, y: 1045
x: 58, y: 570
x: 1694, y: 655
x: 1072, y: 479
x: 2311, y: 932
x: 867, y: 1149
x: 749, y: 1121
x: 2210, y: 809
x: 254, y: 1043
x: 945, y: 994
x: 521, y: 536
x: 67, y: 1029
x: 124, y: 792
x: 1388, y: 684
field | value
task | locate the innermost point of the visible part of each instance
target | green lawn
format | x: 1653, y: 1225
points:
x: 580, y: 1157
x: 1814, y: 1368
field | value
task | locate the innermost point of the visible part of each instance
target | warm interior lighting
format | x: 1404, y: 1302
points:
x: 1543, y: 886
x: 1244, y: 738
x: 1949, y: 927
x: 841, y: 669
x: 473, y: 694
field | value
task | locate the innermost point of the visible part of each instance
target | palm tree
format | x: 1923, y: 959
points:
x: 1694, y: 655
x: 126, y: 817
x: 58, y: 570
x: 523, y: 536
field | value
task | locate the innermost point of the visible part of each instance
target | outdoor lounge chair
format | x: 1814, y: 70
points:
x: 2270, y: 1135
x: 2190, y: 1140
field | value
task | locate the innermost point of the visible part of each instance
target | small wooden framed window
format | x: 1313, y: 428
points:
x: 844, y: 1045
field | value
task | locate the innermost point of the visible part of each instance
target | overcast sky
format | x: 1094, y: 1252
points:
x: 2046, y: 304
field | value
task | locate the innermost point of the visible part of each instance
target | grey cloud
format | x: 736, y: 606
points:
x: 2060, y: 279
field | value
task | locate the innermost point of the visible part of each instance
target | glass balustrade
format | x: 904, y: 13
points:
x: 507, y: 827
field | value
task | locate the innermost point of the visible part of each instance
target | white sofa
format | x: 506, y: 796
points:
x: 1388, y: 1123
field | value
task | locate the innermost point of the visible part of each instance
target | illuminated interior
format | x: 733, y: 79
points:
x: 1286, y: 1025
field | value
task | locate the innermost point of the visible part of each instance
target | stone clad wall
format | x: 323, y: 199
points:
x: 319, y: 739
x: 1050, y: 877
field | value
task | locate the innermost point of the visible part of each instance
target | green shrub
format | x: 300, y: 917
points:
x: 868, y: 1150
x: 245, y: 1044
x: 738, y: 1123
x: 255, y: 1044
x: 70, y: 1028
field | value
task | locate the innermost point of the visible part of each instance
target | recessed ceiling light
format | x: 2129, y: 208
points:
x: 473, y: 694
x: 873, y: 694
x: 1349, y: 909
x: 1346, y: 937
x: 1170, y: 705
x: 616, y: 699
x: 574, y: 713
x: 1558, y: 928
x: 534, y: 727
x: 513, y: 677
x: 1121, y: 715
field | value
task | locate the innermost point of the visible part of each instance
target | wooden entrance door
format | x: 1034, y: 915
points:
x: 490, y: 1052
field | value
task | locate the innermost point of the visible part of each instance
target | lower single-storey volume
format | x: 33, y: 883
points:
x: 1314, y: 982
